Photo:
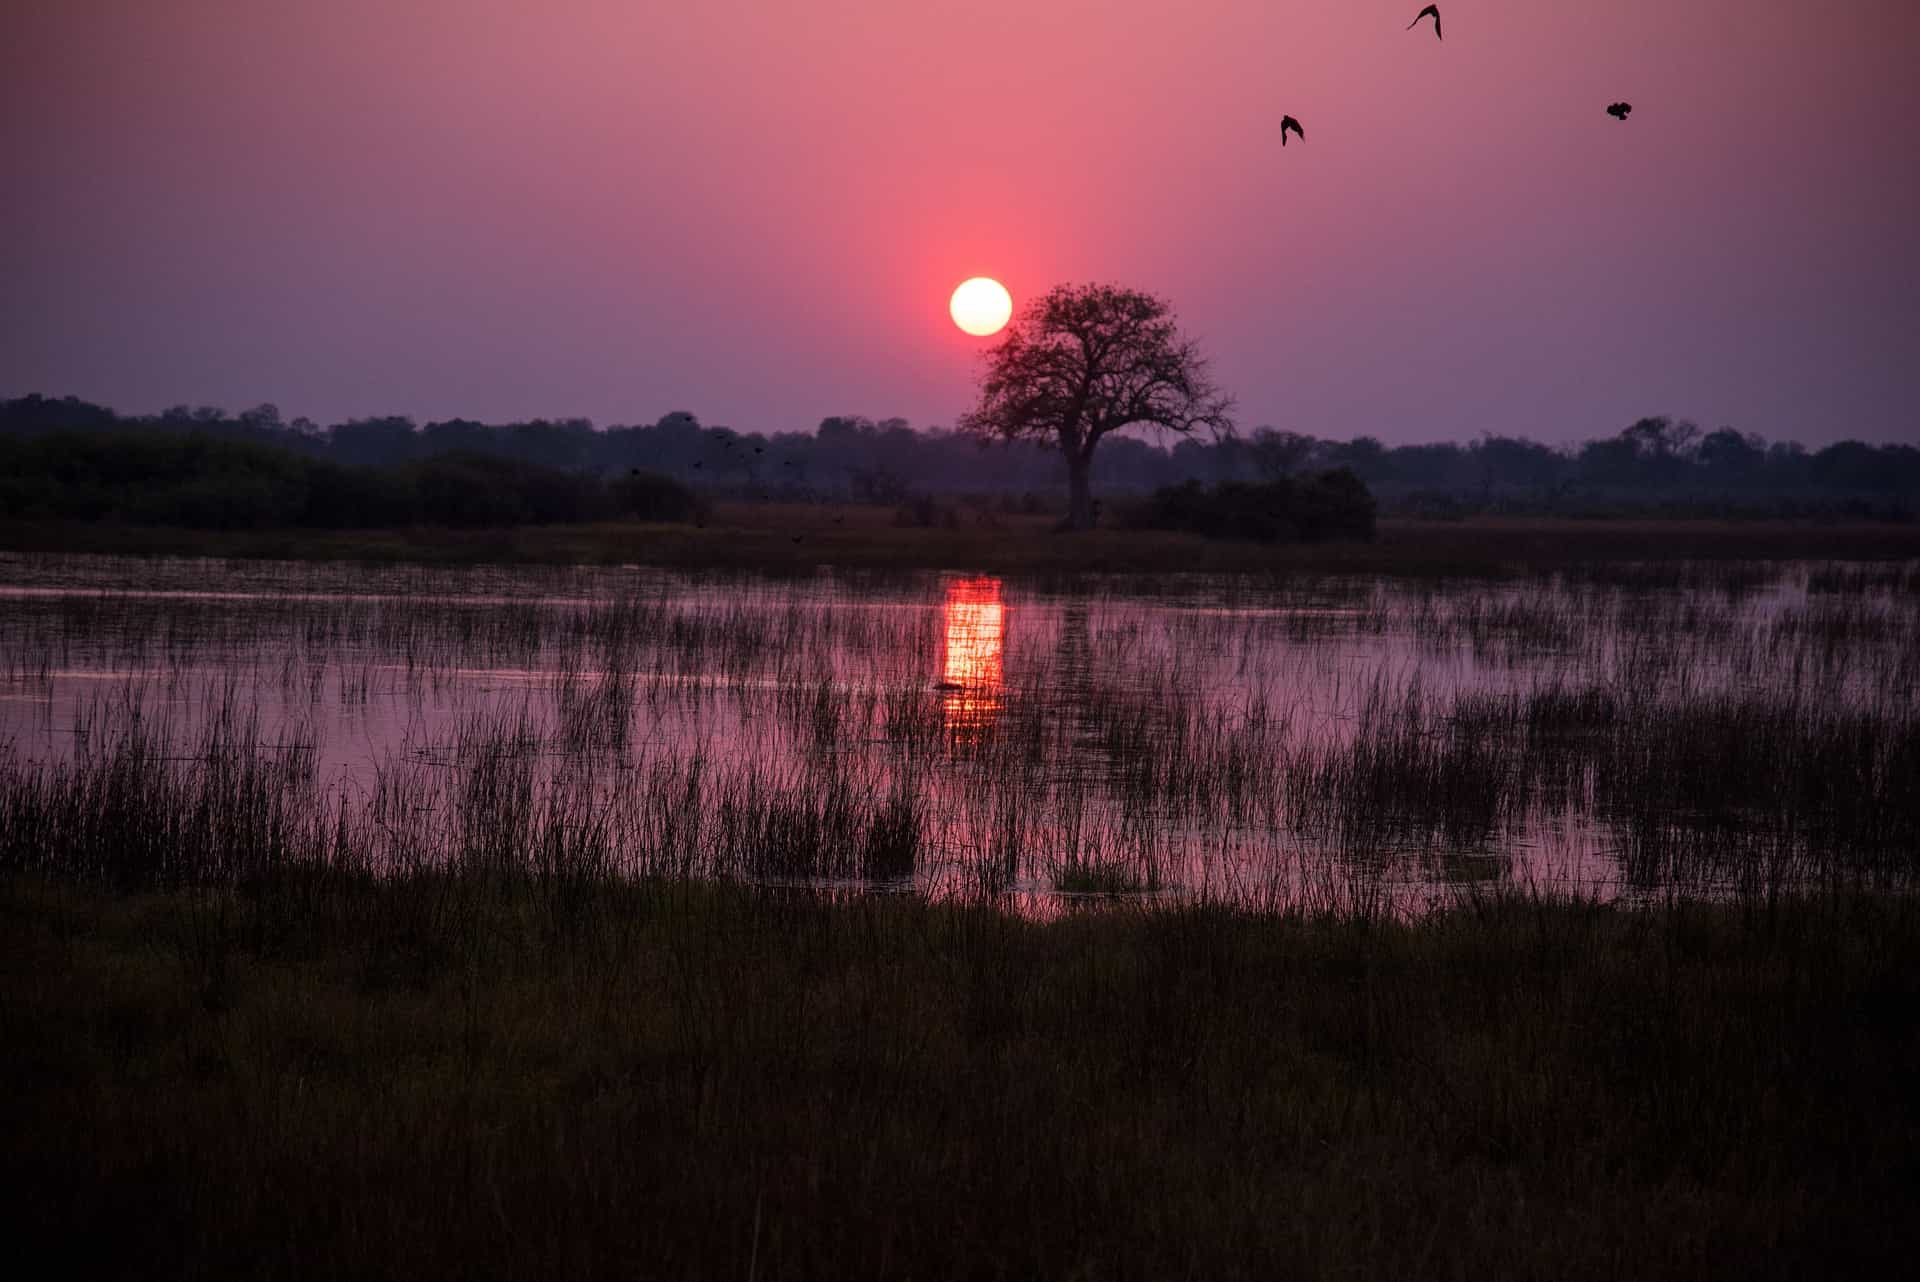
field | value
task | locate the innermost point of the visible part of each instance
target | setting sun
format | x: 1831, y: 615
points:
x: 981, y: 306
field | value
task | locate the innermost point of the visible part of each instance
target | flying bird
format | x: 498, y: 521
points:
x: 1288, y: 122
x: 1432, y: 9
x: 1619, y: 110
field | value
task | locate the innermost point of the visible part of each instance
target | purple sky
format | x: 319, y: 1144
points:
x: 756, y: 210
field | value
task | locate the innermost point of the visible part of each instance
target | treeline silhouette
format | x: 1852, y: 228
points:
x: 201, y: 481
x: 1656, y: 465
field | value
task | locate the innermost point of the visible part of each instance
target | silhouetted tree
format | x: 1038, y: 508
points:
x: 1278, y: 454
x: 376, y: 441
x: 1851, y: 465
x: 1364, y: 455
x: 265, y: 417
x: 1661, y: 437
x: 1730, y: 458
x: 1505, y: 462
x: 1086, y: 360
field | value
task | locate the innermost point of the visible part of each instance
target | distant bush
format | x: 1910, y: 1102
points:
x: 1326, y: 505
x: 469, y: 488
x: 650, y: 496
x: 924, y: 512
x: 349, y: 498
x: 1028, y: 503
x: 208, y: 483
x: 151, y: 479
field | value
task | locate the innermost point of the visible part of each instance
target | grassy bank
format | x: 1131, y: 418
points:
x: 324, y: 1075
x: 799, y: 538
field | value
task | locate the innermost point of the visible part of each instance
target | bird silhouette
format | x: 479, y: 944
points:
x: 1619, y: 110
x: 696, y: 465
x: 1288, y: 122
x: 1433, y: 9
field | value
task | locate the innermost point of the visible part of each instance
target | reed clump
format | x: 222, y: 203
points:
x: 1211, y: 735
x: 324, y: 1071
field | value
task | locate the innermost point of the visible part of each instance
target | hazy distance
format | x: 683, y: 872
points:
x: 757, y: 211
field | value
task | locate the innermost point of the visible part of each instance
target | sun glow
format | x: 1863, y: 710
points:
x: 981, y: 306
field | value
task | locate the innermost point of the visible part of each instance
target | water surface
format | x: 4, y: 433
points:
x: 1299, y: 740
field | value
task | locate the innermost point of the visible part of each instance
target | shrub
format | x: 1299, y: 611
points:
x: 924, y: 512
x: 649, y: 496
x: 469, y: 490
x: 341, y: 497
x: 1327, y: 505
x: 209, y: 483
x: 1334, y: 504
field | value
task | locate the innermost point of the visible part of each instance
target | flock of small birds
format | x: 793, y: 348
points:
x: 1288, y: 124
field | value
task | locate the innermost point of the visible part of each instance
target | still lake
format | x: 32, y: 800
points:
x: 1317, y: 741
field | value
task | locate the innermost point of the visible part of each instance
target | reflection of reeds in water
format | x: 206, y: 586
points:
x: 1318, y: 745
x: 1711, y: 794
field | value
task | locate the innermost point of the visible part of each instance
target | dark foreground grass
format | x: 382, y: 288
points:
x: 799, y: 538
x: 328, y: 1076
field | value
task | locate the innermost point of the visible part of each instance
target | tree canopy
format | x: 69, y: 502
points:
x: 1086, y: 360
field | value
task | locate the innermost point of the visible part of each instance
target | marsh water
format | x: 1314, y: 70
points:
x: 1641, y: 731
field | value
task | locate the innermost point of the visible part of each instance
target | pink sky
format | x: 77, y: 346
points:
x: 756, y: 210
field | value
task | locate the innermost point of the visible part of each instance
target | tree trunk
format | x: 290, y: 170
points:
x: 1079, y: 492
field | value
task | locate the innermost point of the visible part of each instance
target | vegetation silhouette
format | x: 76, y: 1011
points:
x: 53, y: 465
x: 198, y: 481
x: 1084, y: 361
x: 1327, y: 505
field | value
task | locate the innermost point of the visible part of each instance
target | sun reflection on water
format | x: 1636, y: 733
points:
x: 971, y: 679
